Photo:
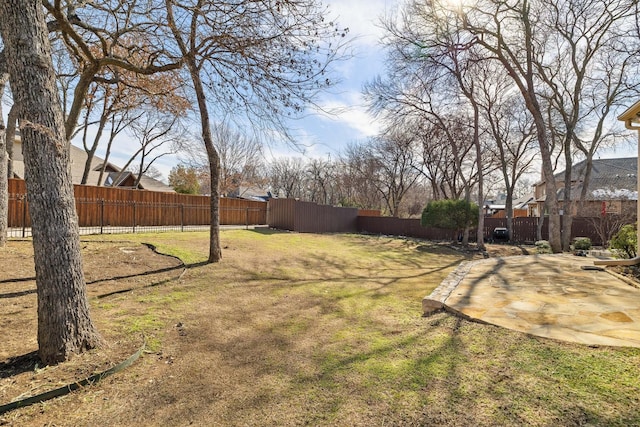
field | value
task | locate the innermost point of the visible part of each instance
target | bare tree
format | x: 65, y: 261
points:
x: 440, y: 126
x: 118, y: 123
x: 494, y: 26
x: 64, y: 322
x: 127, y: 104
x: 448, y: 178
x: 358, y: 170
x: 111, y: 43
x: 447, y: 49
x: 157, y: 135
x: 265, y: 59
x: 321, y: 181
x: 110, y: 109
x: 286, y: 177
x: 588, y: 73
x: 388, y: 164
x: 4, y: 183
x: 512, y: 134
x: 240, y: 158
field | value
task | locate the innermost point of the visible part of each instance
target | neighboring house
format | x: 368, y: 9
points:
x: 251, y: 193
x: 520, y: 207
x: 612, y: 188
x: 78, y: 159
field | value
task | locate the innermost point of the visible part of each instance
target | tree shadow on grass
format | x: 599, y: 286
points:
x: 19, y: 364
x: 104, y: 279
x: 154, y: 284
x: 268, y: 231
x: 17, y: 294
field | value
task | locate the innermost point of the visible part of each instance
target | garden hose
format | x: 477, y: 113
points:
x: 61, y: 391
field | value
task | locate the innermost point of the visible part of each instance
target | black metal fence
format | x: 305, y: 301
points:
x: 126, y: 216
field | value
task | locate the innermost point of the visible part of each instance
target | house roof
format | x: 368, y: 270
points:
x: 78, y: 158
x: 608, y: 177
x: 519, y: 203
x: 146, y: 182
x: 631, y: 114
x: 251, y: 193
x: 523, y: 202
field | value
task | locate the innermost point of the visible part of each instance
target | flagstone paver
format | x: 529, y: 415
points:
x: 545, y: 295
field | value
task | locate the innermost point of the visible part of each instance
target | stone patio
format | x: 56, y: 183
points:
x: 562, y: 297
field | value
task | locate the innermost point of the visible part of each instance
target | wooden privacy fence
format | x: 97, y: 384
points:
x: 598, y: 229
x: 525, y: 229
x: 402, y: 227
x: 294, y: 215
x: 116, y: 207
x: 308, y: 217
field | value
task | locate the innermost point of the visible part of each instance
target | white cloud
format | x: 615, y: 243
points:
x: 349, y: 119
x: 352, y: 115
x: 362, y: 17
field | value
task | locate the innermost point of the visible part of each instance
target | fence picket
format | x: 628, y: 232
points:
x: 115, y: 207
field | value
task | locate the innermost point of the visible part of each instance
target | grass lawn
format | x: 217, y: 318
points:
x: 301, y: 329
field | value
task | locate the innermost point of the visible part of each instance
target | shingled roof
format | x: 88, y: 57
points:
x: 78, y: 159
x: 608, y: 177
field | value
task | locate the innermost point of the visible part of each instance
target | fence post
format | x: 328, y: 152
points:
x: 181, y: 216
x: 24, y: 216
x: 101, y: 215
x: 246, y: 218
x: 134, y: 216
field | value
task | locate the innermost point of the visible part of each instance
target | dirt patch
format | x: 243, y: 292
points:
x: 112, y: 270
x: 631, y: 272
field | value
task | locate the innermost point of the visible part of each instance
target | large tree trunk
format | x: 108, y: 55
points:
x: 64, y: 323
x: 215, y: 251
x: 567, y: 204
x: 567, y: 211
x: 508, y: 211
x: 540, y: 224
x: 10, y: 137
x: 476, y: 142
x: 551, y: 196
x: 4, y: 182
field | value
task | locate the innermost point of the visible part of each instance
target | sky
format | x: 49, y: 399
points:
x: 323, y: 133
x: 320, y: 134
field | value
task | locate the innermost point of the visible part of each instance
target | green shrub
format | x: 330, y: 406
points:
x: 543, y: 247
x: 582, y: 244
x: 625, y: 242
x: 450, y: 214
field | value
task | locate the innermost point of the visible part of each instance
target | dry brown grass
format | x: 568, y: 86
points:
x: 293, y: 329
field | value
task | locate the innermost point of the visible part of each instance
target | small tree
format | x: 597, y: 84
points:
x: 450, y: 214
x: 606, y: 227
x: 625, y: 242
x: 184, y: 180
